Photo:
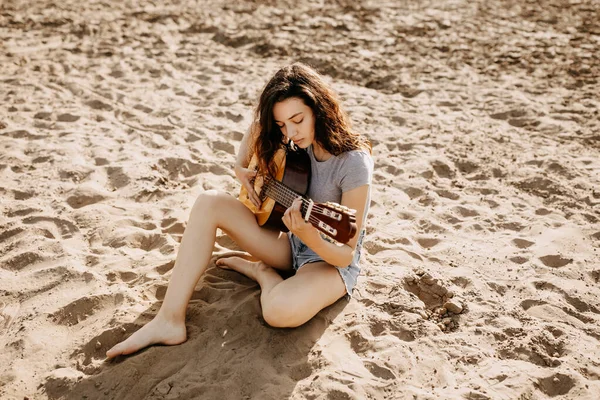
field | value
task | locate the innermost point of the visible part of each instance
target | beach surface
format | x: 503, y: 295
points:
x: 481, y: 264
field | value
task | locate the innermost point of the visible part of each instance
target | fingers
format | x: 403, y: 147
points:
x: 248, y: 182
x: 292, y: 218
x: 254, y: 198
x: 287, y: 220
x: 296, y: 205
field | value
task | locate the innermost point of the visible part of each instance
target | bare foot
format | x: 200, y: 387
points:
x: 249, y: 268
x: 158, y: 330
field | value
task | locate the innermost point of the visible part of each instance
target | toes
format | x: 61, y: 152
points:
x: 113, y: 352
x: 228, y: 262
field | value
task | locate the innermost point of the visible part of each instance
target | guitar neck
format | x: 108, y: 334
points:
x: 282, y: 194
x: 334, y: 220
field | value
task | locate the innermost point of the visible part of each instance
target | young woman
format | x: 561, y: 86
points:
x: 295, y: 105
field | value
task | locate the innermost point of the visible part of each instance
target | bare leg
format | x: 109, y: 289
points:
x: 258, y: 271
x: 211, y: 211
x: 294, y: 301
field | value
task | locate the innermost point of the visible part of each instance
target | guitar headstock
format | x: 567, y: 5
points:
x: 334, y: 220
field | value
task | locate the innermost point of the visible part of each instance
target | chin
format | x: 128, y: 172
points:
x: 303, y: 144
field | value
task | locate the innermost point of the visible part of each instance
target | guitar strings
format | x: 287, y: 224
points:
x: 289, y: 196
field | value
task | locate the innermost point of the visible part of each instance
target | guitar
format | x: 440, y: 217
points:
x: 292, y: 180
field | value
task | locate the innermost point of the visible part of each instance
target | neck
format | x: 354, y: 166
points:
x: 320, y: 153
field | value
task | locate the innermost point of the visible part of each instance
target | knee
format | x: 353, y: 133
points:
x: 279, y: 315
x: 208, y: 201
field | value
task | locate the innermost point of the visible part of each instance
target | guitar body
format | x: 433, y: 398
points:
x: 292, y: 181
x: 293, y: 170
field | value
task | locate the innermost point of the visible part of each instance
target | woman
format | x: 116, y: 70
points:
x: 295, y: 105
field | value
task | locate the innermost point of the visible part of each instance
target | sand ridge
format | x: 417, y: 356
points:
x: 481, y: 263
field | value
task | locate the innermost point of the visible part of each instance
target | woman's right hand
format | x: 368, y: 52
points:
x: 246, y: 177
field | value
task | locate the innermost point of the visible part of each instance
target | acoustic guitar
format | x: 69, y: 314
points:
x: 292, y: 180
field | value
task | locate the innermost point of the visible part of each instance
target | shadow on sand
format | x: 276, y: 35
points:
x: 231, y: 353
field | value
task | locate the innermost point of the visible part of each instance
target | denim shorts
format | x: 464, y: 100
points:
x: 302, y: 255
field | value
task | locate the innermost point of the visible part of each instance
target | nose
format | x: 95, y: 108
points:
x: 291, y: 132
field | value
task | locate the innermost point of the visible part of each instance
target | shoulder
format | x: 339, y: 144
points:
x: 355, y: 169
x: 357, y: 159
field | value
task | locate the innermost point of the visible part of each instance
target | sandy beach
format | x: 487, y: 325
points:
x: 481, y: 264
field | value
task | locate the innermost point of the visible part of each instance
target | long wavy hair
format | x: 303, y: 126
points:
x: 332, y: 126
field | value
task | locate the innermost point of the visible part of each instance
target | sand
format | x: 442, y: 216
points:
x: 481, y: 264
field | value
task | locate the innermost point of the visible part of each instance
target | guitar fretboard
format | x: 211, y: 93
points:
x: 282, y: 194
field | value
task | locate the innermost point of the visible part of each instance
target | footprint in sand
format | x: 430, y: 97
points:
x: 465, y: 212
x: 67, y: 118
x: 100, y: 161
x: 540, y: 186
x: 517, y: 118
x: 43, y: 159
x: 82, y: 197
x: 23, y: 134
x: 428, y: 243
x: 47, y: 116
x: 175, y: 167
x: 380, y: 371
x: 66, y: 229
x: 98, y: 105
x: 42, y: 281
x: 165, y: 267
x: 117, y: 178
x: 20, y: 195
x: 143, y: 108
x: 139, y: 240
x: 577, y: 303
x: 522, y: 243
x: 223, y: 146
x: 547, y: 312
x: 81, y: 309
x: 20, y: 261
x: 519, y: 260
x: 555, y: 261
x: 7, y: 232
x: 412, y: 192
x: 442, y: 170
x: 556, y: 385
x: 448, y: 194
x: 466, y: 167
x: 358, y: 343
x: 543, y: 348
x: 394, y: 328
x: 172, y: 226
x: 512, y: 226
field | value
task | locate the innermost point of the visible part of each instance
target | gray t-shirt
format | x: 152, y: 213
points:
x: 339, y: 174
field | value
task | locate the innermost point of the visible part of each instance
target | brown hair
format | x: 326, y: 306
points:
x: 332, y: 127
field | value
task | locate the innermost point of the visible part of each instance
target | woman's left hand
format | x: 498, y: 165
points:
x: 292, y: 218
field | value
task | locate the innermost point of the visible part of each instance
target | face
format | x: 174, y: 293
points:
x: 296, y: 121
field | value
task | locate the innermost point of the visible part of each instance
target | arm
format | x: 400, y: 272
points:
x: 334, y: 254
x: 246, y: 146
x: 243, y: 158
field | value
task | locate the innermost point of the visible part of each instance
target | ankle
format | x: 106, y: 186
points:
x: 171, y: 317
